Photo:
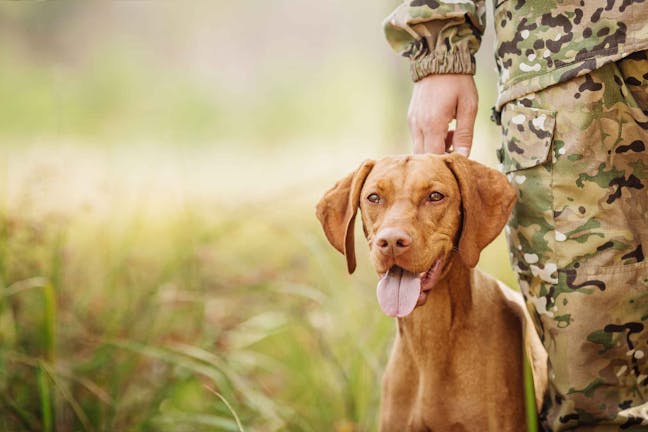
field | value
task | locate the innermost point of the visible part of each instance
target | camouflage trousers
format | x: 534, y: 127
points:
x: 576, y: 153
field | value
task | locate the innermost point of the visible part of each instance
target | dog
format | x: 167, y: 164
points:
x: 457, y: 361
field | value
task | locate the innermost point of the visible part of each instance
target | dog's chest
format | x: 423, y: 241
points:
x: 456, y: 383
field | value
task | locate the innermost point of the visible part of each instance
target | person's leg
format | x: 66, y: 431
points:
x: 576, y: 152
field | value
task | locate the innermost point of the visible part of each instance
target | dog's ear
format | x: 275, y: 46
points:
x: 486, y: 202
x: 337, y: 210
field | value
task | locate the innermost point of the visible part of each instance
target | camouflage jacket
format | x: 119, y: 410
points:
x: 539, y: 42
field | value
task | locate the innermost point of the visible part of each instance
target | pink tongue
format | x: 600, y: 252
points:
x: 398, y: 292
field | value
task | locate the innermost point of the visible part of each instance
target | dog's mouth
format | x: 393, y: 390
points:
x: 399, y: 290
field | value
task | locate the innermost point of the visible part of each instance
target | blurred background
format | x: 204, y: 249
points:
x: 161, y: 268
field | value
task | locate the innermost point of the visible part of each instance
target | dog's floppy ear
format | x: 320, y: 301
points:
x: 486, y: 202
x: 337, y: 210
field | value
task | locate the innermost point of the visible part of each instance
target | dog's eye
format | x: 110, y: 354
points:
x: 374, y: 198
x: 435, y: 196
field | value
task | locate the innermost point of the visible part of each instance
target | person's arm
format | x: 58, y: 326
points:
x: 440, y: 37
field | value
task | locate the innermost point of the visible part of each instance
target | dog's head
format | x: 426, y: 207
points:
x: 416, y: 210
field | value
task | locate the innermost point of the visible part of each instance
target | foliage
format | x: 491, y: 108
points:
x: 199, y: 315
x: 192, y: 320
x: 185, y: 322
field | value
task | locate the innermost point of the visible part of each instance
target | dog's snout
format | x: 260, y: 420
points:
x: 393, y: 241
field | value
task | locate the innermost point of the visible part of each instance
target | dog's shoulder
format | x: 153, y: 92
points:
x: 512, y: 300
x: 495, y: 291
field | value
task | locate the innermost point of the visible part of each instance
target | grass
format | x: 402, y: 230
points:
x: 198, y: 317
x: 133, y: 295
x: 190, y: 321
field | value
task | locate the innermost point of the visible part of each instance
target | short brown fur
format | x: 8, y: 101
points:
x: 456, y: 363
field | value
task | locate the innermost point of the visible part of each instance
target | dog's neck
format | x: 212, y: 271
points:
x: 447, y: 308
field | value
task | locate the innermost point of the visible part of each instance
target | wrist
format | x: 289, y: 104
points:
x: 445, y: 62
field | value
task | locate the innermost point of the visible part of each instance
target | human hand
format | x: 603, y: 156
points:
x: 436, y: 101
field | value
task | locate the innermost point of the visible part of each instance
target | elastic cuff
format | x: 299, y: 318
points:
x: 457, y: 62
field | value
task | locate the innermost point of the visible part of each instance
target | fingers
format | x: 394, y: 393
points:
x: 417, y: 139
x: 427, y: 140
x: 463, y: 135
x: 428, y: 130
x: 434, y: 140
x: 427, y: 125
x: 430, y: 135
x: 436, y: 101
x: 429, y: 113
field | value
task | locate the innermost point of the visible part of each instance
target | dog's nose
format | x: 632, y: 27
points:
x: 393, y: 241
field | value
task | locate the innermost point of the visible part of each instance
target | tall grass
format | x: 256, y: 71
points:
x: 195, y: 315
x: 202, y: 318
x: 191, y: 321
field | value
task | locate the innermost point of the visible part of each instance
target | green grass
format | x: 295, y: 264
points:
x: 194, y: 316
x: 184, y: 322
x: 203, y: 319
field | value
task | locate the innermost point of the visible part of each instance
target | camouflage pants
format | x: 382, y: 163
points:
x: 576, y: 152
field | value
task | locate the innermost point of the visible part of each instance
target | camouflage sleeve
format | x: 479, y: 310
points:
x: 438, y: 36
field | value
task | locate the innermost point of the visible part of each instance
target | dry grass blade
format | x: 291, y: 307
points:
x: 229, y: 407
x: 172, y: 357
x: 210, y: 366
x: 93, y: 388
x: 257, y: 399
x: 24, y: 285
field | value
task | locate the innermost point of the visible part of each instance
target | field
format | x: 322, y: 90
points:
x: 161, y: 268
x: 135, y: 314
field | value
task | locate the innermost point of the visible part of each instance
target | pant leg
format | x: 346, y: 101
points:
x: 576, y: 153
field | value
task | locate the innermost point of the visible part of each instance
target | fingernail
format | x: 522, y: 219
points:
x: 463, y: 151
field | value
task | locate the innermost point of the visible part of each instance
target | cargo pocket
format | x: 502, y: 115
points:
x: 525, y: 157
x: 527, y: 134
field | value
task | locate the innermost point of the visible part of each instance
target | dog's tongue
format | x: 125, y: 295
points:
x: 398, y: 292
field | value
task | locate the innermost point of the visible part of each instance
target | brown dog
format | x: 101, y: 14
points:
x: 457, y: 362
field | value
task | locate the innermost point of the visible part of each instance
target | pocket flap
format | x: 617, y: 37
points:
x: 527, y: 135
